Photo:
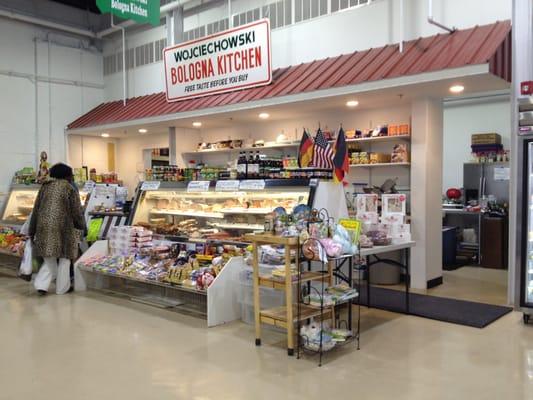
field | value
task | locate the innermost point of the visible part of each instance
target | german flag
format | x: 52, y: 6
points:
x: 341, y: 163
x: 305, y: 151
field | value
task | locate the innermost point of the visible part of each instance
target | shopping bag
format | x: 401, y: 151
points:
x: 26, y: 265
x: 25, y: 228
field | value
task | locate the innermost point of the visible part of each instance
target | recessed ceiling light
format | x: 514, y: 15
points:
x: 264, y: 115
x: 197, y: 124
x: 105, y: 134
x: 352, y: 103
x: 457, y: 88
x: 142, y: 130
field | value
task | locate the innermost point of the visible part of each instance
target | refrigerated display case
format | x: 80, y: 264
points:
x: 526, y: 275
x: 177, y: 212
x: 19, y: 203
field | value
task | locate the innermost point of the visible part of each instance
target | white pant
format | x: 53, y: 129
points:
x: 52, y: 269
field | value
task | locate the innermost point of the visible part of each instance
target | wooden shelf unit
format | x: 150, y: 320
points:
x: 280, y: 316
x: 279, y: 284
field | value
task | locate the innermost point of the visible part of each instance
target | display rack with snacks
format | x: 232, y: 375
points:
x: 165, y: 274
x: 286, y: 260
x: 11, y: 242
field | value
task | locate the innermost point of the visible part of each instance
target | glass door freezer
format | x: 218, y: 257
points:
x: 526, y: 278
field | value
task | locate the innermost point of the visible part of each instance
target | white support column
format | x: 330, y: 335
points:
x: 426, y: 191
x: 172, y: 145
x: 174, y: 22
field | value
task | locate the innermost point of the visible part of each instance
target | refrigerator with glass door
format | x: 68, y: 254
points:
x: 526, y: 272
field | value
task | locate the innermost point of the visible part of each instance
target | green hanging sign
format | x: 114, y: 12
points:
x: 142, y: 11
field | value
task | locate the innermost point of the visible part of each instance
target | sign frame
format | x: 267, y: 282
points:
x: 221, y: 90
x: 152, y: 8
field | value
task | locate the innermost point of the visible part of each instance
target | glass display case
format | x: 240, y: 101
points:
x: 213, y: 213
x: 527, y: 273
x: 19, y: 203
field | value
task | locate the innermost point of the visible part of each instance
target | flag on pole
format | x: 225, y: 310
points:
x: 341, y: 163
x: 322, y: 152
x: 305, y: 151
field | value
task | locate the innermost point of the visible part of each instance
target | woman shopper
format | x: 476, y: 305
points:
x: 54, y: 229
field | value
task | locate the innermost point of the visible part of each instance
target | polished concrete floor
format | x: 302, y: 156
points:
x: 470, y: 283
x: 92, y: 346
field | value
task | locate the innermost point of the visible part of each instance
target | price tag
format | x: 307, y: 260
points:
x: 227, y: 186
x: 88, y: 187
x: 150, y: 185
x: 198, y: 186
x: 255, y: 184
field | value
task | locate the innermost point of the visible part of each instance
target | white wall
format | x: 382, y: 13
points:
x: 89, y: 151
x: 357, y: 119
x: 26, y: 126
x: 130, y: 165
x: 343, y: 32
x: 460, y: 122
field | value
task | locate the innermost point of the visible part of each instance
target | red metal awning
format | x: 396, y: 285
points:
x: 488, y: 44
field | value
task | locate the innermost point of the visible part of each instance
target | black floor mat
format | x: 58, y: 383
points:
x: 469, y: 313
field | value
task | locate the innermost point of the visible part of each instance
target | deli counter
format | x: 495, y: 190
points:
x: 218, y: 211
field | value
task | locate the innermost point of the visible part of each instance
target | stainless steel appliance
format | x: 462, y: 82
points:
x: 482, y: 180
x: 526, y: 270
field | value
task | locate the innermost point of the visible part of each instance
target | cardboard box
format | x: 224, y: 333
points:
x: 392, y: 219
x: 404, y: 129
x: 379, y: 158
x: 368, y: 218
x: 486, y: 138
x: 401, y: 238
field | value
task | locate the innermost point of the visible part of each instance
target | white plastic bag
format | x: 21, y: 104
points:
x: 25, y: 228
x: 26, y: 265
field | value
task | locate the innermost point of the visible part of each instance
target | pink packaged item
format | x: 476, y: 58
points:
x: 140, y: 245
x: 333, y: 249
x: 393, y: 219
x: 387, y: 228
x: 368, y: 217
x: 144, y: 233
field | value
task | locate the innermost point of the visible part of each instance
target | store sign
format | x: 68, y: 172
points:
x: 502, y: 173
x: 142, y: 11
x: 88, y: 187
x: 198, y: 186
x: 227, y: 186
x: 150, y: 185
x: 230, y: 60
x: 253, y: 184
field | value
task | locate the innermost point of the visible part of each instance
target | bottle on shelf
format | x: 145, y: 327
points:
x: 241, y: 166
x: 253, y: 168
x: 257, y: 165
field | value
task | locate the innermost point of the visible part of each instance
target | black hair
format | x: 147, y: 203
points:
x: 61, y: 171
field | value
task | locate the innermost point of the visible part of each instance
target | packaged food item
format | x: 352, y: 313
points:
x: 399, y: 153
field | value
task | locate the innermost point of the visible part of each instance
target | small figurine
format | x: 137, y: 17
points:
x: 43, y: 168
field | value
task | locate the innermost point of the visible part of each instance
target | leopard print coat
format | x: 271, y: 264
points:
x: 56, y: 220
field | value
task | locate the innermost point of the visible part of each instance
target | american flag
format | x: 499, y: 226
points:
x: 323, y: 153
